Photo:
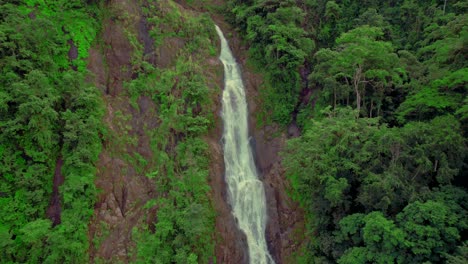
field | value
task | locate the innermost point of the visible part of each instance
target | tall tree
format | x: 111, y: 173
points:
x: 362, y: 62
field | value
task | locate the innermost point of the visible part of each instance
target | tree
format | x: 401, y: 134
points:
x: 279, y: 46
x: 361, y: 62
x: 343, y: 165
x: 379, y: 239
x: 326, y: 163
x: 443, y: 46
x: 432, y: 228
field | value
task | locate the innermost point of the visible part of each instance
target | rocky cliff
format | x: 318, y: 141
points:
x: 125, y: 190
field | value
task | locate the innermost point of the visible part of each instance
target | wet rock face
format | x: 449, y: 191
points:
x: 148, y: 43
x: 231, y: 243
x: 118, y: 58
x: 285, y: 218
x: 73, y: 51
x: 284, y: 215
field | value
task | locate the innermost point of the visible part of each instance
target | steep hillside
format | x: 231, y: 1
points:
x: 111, y: 147
x: 129, y: 213
x: 126, y: 122
x: 159, y: 88
x: 146, y: 48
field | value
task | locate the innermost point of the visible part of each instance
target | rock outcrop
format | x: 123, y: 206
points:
x: 124, y: 191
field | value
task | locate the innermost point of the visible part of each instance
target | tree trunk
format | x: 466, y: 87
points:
x: 445, y: 4
x: 334, y: 97
x: 347, y: 92
x: 356, y: 81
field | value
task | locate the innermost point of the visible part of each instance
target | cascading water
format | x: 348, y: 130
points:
x: 246, y: 192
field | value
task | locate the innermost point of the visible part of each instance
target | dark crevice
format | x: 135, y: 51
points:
x: 54, y: 210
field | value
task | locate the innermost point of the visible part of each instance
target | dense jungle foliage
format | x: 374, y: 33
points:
x: 51, y: 129
x: 378, y: 88
x: 49, y: 115
x: 380, y: 91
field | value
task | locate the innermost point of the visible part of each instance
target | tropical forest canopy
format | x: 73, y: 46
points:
x: 378, y: 89
x: 52, y: 129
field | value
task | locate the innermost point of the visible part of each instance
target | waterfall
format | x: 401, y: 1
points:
x: 245, y: 190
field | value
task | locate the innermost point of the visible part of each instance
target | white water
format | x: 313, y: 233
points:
x: 246, y: 192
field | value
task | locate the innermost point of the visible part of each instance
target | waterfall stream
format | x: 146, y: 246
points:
x: 246, y: 193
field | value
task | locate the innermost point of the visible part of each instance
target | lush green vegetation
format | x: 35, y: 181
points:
x: 378, y: 89
x: 377, y: 194
x: 47, y: 113
x: 379, y: 168
x: 183, y: 231
x: 279, y: 45
x: 368, y: 54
